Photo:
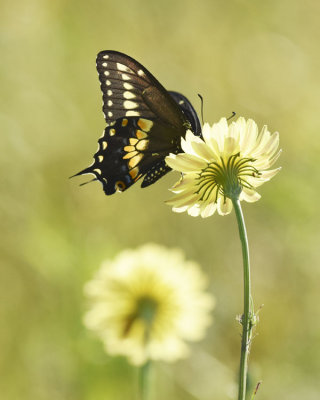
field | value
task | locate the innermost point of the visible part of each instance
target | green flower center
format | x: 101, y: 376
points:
x: 226, y: 177
x: 146, y: 310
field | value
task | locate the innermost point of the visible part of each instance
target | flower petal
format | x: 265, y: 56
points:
x: 185, y: 162
x: 208, y: 210
x: 249, y: 195
x: 224, y: 206
x: 186, y: 143
x: 186, y: 182
x: 182, y: 199
x: 204, y: 151
x: 231, y: 146
x: 194, y: 211
x: 180, y: 209
x: 210, y: 140
x: 267, y: 175
x: 268, y: 148
x: 249, y: 137
x: 220, y: 131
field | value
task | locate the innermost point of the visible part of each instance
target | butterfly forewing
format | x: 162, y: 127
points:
x: 130, y: 90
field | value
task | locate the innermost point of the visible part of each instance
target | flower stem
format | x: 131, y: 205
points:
x: 247, y: 320
x: 144, y: 380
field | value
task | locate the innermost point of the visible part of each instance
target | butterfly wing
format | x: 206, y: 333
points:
x: 144, y: 124
x: 130, y: 90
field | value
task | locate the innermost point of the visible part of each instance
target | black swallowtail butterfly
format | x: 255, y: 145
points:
x: 145, y: 123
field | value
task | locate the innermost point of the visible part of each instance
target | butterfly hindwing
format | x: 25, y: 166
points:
x: 144, y: 124
x: 129, y: 149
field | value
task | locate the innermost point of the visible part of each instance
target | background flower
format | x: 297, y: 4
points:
x: 147, y: 302
x: 230, y: 162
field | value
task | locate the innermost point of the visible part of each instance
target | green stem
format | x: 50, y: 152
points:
x: 247, y: 318
x: 144, y: 380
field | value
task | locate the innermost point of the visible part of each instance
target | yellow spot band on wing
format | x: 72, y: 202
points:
x: 135, y: 160
x: 134, y: 172
x: 140, y: 134
x: 142, y: 144
x: 145, y: 124
x: 129, y: 148
x: 130, y: 155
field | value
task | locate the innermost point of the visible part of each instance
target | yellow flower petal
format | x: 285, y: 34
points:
x: 249, y: 195
x: 180, y: 209
x: 208, y: 210
x: 186, y: 143
x: 182, y: 199
x: 194, y: 211
x: 185, y: 162
x: 224, y: 206
x: 202, y: 150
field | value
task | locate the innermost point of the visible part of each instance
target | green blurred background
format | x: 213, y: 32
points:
x: 258, y: 58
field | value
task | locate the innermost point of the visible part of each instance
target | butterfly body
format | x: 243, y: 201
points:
x: 145, y: 123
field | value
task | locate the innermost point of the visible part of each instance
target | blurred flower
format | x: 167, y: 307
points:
x: 230, y: 162
x: 147, y: 302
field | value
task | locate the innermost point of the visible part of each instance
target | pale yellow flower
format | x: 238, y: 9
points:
x: 147, y: 303
x: 231, y: 161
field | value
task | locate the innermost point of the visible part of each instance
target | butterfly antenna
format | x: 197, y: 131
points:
x: 232, y: 115
x: 201, y: 99
x: 92, y: 180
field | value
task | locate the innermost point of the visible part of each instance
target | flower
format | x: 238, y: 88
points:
x: 227, y: 164
x: 147, y: 303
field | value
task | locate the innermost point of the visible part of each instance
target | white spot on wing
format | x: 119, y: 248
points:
x: 107, y: 73
x: 104, y: 64
x: 110, y: 103
x: 128, y: 95
x: 108, y: 83
x: 110, y: 114
x: 140, y: 72
x: 127, y: 86
x: 130, y: 104
x: 123, y: 68
x: 106, y: 56
x: 125, y: 77
x: 109, y: 92
x: 132, y: 113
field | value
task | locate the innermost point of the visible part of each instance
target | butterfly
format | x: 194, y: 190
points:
x: 145, y: 123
